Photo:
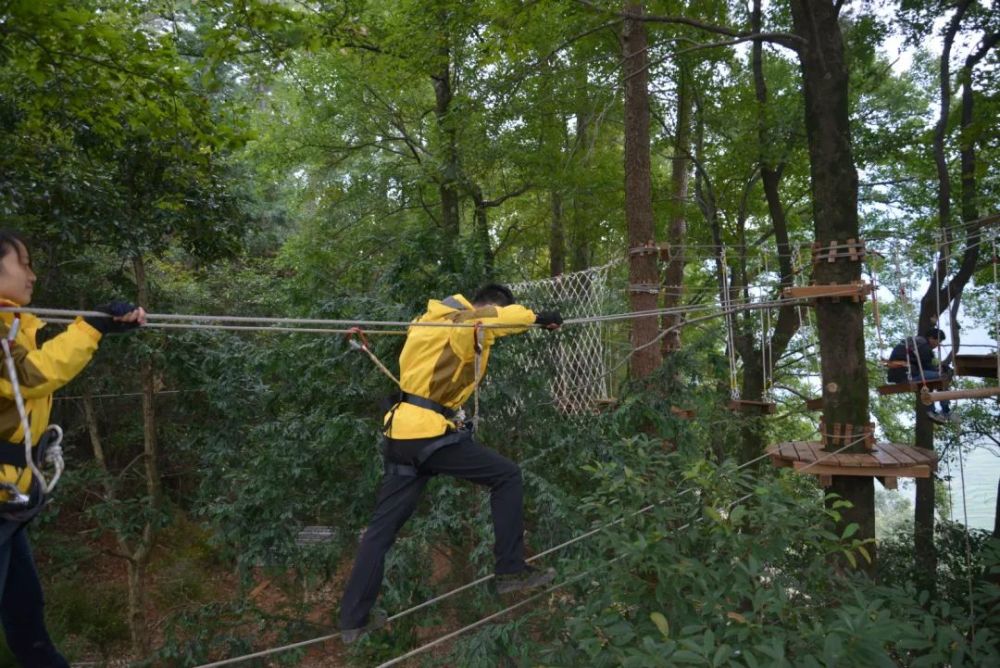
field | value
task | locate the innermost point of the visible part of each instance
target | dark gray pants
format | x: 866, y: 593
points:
x: 21, y: 603
x: 397, y: 499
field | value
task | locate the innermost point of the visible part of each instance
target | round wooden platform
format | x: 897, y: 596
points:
x: 888, y: 460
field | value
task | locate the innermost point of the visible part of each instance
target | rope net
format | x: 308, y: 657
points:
x: 578, y: 361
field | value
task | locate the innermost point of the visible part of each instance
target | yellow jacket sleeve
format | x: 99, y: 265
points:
x: 498, y: 321
x: 41, y: 372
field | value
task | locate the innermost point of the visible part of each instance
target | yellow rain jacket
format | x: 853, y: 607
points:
x: 40, y: 372
x: 438, y: 363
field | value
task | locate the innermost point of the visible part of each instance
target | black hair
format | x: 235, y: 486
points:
x: 934, y: 333
x: 11, y: 241
x: 494, y: 293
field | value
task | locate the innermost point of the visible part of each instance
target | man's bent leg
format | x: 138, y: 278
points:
x: 22, y: 609
x: 397, y: 499
x: 470, y: 460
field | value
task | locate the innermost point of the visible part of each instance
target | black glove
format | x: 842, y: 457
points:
x: 108, y: 325
x: 548, y: 319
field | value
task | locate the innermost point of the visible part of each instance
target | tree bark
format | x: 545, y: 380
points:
x: 759, y: 365
x: 557, y: 237
x: 139, y: 559
x: 834, y: 185
x: 680, y: 167
x: 643, y: 280
x: 448, y: 179
x: 482, y: 233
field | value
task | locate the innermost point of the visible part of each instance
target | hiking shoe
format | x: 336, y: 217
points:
x: 376, y: 620
x: 529, y: 578
x: 937, y: 418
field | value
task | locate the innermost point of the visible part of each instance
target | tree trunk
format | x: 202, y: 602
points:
x: 943, y: 292
x: 834, y: 185
x: 579, y: 245
x: 755, y: 382
x: 680, y: 165
x: 143, y: 550
x: 557, y: 237
x: 483, y: 246
x: 643, y: 281
x: 448, y: 179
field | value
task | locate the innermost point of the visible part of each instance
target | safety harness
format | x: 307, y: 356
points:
x: 463, y: 430
x: 460, y: 433
x: 21, y: 507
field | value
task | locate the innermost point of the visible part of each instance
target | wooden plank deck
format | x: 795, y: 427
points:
x: 889, y: 460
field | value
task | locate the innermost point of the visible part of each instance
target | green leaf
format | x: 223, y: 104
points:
x: 661, y: 623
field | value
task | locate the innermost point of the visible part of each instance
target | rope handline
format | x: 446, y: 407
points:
x: 996, y: 297
x: 356, y: 339
x: 202, y: 321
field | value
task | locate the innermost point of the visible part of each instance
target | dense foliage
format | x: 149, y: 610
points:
x: 352, y: 159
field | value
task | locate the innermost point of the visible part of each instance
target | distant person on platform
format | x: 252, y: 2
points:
x: 915, y: 363
x: 424, y: 437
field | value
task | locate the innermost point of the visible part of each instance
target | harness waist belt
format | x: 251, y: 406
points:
x: 429, y: 404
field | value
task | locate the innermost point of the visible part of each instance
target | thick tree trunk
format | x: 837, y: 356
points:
x: 448, y: 178
x: 834, y: 182
x: 680, y: 167
x: 643, y: 281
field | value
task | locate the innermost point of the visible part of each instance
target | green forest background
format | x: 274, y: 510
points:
x: 352, y: 159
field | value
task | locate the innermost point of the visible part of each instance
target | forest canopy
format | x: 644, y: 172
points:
x: 338, y: 164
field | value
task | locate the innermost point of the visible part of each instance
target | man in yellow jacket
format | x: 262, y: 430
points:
x: 425, y: 437
x: 39, y: 373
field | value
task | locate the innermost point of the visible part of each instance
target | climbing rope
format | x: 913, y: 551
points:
x: 357, y: 340
x: 53, y: 452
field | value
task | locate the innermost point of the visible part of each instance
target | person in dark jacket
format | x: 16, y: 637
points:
x: 918, y: 354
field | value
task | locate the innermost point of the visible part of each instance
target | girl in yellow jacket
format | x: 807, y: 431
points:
x: 25, y: 404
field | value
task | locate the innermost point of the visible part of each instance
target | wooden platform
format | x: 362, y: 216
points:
x: 748, y: 406
x: 900, y: 388
x: 857, y: 291
x: 886, y: 460
x: 814, y: 404
x: 980, y: 366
